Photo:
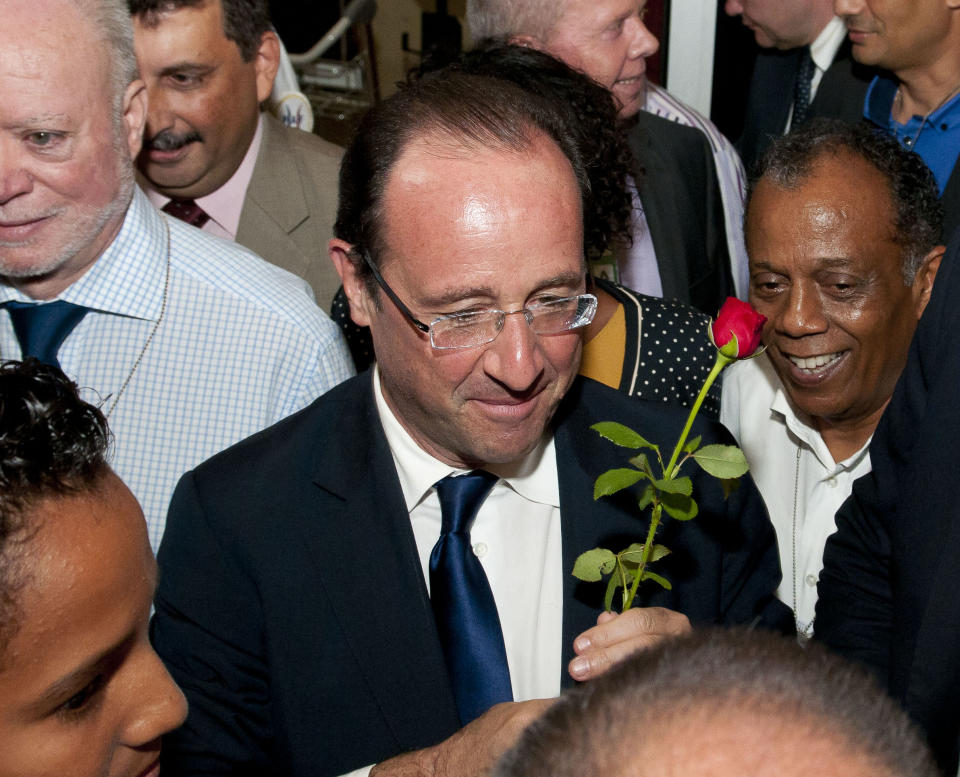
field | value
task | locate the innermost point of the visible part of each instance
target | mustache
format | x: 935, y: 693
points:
x: 168, y: 140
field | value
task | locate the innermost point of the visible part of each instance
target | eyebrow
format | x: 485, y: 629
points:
x: 824, y: 263
x: 454, y: 295
x: 187, y: 67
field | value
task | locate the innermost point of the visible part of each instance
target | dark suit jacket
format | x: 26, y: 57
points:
x: 677, y: 183
x: 291, y: 205
x: 888, y: 594
x: 951, y: 203
x: 839, y: 96
x: 292, y: 608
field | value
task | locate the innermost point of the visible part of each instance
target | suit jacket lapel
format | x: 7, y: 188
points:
x: 371, y: 573
x: 276, y: 204
x: 655, y: 184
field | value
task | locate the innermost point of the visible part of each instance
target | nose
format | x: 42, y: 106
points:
x: 159, y: 114
x: 14, y: 179
x: 643, y: 42
x: 846, y: 7
x: 514, y: 358
x: 802, y: 314
x: 157, y: 705
x: 733, y: 7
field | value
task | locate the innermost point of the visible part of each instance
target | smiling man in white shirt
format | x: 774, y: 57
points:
x: 842, y: 229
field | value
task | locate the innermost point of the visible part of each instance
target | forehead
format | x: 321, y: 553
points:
x: 51, y: 59
x: 84, y: 559
x: 498, y: 216
x: 194, y: 32
x: 593, y: 13
x: 842, y: 209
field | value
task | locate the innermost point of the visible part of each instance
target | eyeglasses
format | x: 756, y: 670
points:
x: 479, y: 327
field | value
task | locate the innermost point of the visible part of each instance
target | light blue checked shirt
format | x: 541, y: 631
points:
x: 241, y: 345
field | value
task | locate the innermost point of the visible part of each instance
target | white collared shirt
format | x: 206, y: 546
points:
x: 516, y: 536
x: 755, y: 408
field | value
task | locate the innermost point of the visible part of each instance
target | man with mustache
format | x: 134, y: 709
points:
x: 189, y: 343
x: 210, y: 155
x: 918, y: 100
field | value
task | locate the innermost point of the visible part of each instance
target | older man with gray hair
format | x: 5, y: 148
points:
x: 608, y: 40
x: 189, y: 342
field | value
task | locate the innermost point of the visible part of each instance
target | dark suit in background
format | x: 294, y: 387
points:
x: 292, y: 608
x: 839, y: 96
x: 888, y: 594
x: 677, y: 183
x: 291, y: 205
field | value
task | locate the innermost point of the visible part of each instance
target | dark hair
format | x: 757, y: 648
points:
x: 52, y: 443
x: 790, y: 159
x: 590, y: 115
x: 492, y: 98
x: 715, y: 671
x: 244, y: 21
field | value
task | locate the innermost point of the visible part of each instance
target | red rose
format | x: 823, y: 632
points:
x: 737, y: 319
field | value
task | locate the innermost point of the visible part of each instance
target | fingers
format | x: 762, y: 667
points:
x: 617, y: 636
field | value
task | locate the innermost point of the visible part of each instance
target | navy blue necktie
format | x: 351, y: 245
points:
x: 802, y: 87
x: 463, y: 604
x: 41, y: 329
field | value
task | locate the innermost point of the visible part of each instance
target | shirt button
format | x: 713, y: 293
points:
x: 811, y: 580
x: 832, y: 482
x: 480, y: 549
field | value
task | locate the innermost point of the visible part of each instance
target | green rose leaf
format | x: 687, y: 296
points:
x: 646, y: 497
x: 632, y: 554
x: 594, y: 564
x: 691, y: 446
x: 612, y: 586
x: 729, y: 486
x: 648, y: 575
x: 641, y: 462
x: 621, y: 435
x: 679, y: 506
x: 722, y: 461
x: 614, y: 480
x: 659, y: 551
x: 676, y: 486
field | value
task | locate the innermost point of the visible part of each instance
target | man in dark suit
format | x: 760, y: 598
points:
x: 208, y: 64
x: 888, y: 592
x: 801, y: 41
x: 310, y: 590
x: 680, y: 248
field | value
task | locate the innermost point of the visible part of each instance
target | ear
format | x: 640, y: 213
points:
x: 527, y: 41
x: 354, y: 286
x: 135, y: 115
x: 926, y: 275
x: 266, y: 62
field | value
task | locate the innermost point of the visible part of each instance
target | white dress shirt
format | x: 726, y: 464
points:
x: 755, y: 408
x: 516, y: 536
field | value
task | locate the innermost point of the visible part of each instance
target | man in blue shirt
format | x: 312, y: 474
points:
x: 919, y: 99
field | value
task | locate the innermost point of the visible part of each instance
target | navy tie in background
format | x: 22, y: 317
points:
x: 41, y: 329
x: 463, y: 604
x: 801, y: 89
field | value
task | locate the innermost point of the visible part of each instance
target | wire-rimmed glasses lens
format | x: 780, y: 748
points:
x: 469, y: 330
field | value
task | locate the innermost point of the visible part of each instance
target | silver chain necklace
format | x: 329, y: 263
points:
x: 156, y: 326
x: 898, y: 99
x: 153, y: 331
x: 807, y: 631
